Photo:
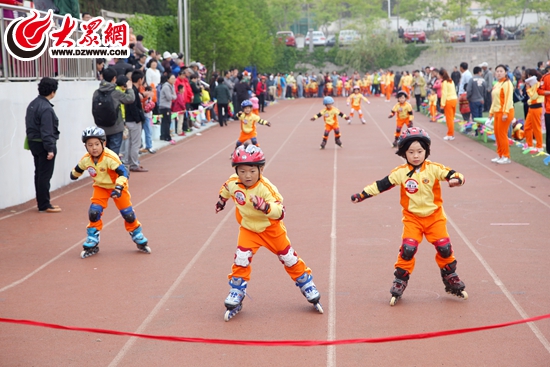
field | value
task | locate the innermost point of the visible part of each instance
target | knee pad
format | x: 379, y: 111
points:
x: 326, y: 133
x: 95, y: 212
x: 444, y: 247
x: 337, y: 132
x: 254, y: 141
x: 408, y: 248
x: 238, y: 144
x: 128, y: 214
x: 243, y: 257
x: 288, y: 256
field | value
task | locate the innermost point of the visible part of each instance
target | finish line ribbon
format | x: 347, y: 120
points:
x: 273, y: 343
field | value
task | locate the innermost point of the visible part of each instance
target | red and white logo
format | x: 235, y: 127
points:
x: 27, y: 38
x: 92, y: 171
x: 240, y: 197
x: 411, y: 186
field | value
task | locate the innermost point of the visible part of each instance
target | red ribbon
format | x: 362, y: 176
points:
x: 272, y: 343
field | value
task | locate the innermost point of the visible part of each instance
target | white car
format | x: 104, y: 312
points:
x: 319, y: 38
x: 348, y: 36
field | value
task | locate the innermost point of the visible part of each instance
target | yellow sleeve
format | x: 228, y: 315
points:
x: 508, y: 97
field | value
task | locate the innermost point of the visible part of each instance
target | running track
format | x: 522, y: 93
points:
x: 498, y: 224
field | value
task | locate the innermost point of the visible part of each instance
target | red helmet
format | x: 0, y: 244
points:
x: 250, y: 155
x: 412, y: 134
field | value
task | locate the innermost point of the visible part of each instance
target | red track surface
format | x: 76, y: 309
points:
x: 179, y: 289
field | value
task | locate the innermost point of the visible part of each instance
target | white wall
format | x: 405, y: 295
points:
x: 73, y: 106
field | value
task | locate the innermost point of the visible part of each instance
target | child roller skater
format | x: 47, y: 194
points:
x: 260, y: 212
x: 423, y: 213
x: 248, y: 124
x: 355, y: 98
x: 404, y: 112
x: 330, y: 115
x: 110, y: 180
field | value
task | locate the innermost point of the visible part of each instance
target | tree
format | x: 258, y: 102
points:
x: 285, y: 12
x: 501, y: 9
x: 457, y: 10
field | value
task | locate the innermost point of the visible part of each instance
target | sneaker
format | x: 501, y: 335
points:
x: 496, y: 159
x: 504, y: 160
x: 181, y: 134
x: 449, y: 137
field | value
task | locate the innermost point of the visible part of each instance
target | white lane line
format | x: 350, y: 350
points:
x: 17, y: 282
x: 79, y: 243
x: 486, y: 265
x: 331, y: 349
x: 182, y: 275
x: 502, y: 287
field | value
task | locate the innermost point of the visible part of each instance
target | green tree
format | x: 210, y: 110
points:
x: 285, y: 12
x: 500, y: 9
x: 457, y: 10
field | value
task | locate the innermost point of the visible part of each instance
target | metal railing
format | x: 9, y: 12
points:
x: 13, y: 69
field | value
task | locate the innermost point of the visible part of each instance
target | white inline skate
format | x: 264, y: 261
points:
x: 234, y: 300
x: 309, y: 290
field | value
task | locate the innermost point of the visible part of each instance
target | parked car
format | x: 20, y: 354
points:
x: 319, y: 38
x: 507, y: 35
x: 486, y: 32
x: 457, y: 34
x: 414, y: 35
x: 287, y: 37
x: 331, y: 41
x: 524, y: 30
x: 348, y: 36
x: 475, y: 37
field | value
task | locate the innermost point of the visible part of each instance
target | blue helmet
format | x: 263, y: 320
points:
x: 246, y: 103
x: 328, y: 100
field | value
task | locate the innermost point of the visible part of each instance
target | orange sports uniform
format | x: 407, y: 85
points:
x: 248, y: 126
x: 533, y: 121
x: 404, y: 116
x: 432, y: 100
x: 423, y: 213
x: 503, y: 104
x: 339, y: 86
x: 449, y: 99
x: 258, y: 229
x: 107, y: 173
x: 390, y: 83
x: 355, y: 100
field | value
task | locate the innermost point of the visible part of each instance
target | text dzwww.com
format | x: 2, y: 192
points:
x: 62, y: 52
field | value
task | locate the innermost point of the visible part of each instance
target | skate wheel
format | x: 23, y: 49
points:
x: 318, y: 307
x: 229, y: 314
x: 144, y: 249
x: 464, y: 295
x: 393, y: 301
x: 87, y: 253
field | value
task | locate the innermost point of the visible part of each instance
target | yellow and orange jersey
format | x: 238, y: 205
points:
x: 330, y: 116
x: 421, y: 191
x: 502, y: 94
x: 329, y: 86
x: 348, y: 84
x: 248, y: 122
x: 356, y: 98
x: 339, y: 83
x: 248, y: 217
x: 107, y: 173
x: 534, y: 97
x: 432, y: 99
x: 404, y: 111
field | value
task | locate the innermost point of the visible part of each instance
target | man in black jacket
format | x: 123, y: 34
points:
x: 122, y: 67
x: 134, y: 119
x: 42, y: 134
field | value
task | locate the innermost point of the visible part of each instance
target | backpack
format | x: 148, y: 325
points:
x: 103, y: 109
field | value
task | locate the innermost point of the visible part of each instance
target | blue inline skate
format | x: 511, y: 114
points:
x: 140, y: 240
x: 309, y: 290
x: 234, y: 300
x: 91, y: 244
